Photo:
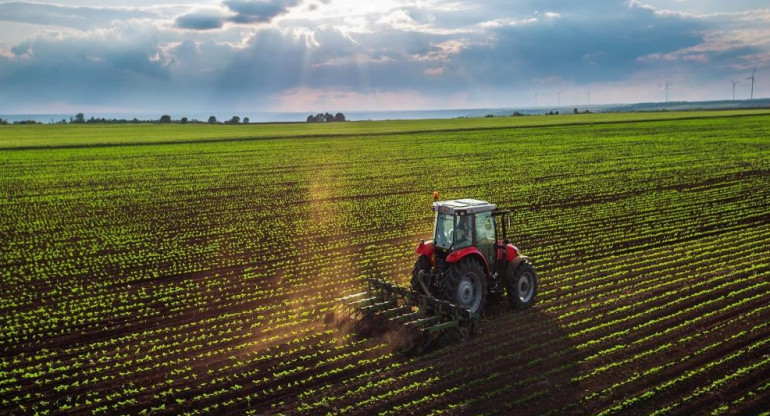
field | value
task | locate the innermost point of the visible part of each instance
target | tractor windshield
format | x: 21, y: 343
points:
x: 444, y: 230
x: 452, y: 232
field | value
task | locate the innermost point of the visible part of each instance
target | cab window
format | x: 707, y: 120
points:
x: 485, y: 234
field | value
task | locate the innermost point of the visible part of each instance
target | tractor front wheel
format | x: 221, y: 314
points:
x: 522, y: 286
x: 466, y: 285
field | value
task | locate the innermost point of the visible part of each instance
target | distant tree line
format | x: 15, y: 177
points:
x: 80, y: 118
x: 325, y: 118
x: 4, y: 122
x: 550, y: 113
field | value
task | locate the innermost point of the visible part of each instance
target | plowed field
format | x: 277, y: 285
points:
x: 193, y: 276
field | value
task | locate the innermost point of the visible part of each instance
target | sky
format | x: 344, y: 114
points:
x: 66, y: 56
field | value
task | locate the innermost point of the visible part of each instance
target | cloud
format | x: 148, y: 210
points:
x: 258, y: 11
x: 91, y: 69
x: 734, y: 40
x: 273, y: 54
x: 576, y: 49
x: 82, y: 18
x: 238, y: 11
x: 201, y: 20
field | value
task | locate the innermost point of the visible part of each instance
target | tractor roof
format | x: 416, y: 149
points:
x: 463, y: 206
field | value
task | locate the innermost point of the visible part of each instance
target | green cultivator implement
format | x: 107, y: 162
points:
x: 423, y: 318
x: 468, y: 264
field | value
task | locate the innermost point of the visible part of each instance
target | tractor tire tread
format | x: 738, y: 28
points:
x: 511, y: 281
x: 455, y: 274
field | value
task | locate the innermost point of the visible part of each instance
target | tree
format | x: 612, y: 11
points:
x: 212, y: 120
x: 80, y: 118
x: 325, y: 118
x: 245, y: 120
x: 576, y: 111
x: 235, y: 120
x: 3, y: 121
x: 183, y: 120
x: 165, y: 118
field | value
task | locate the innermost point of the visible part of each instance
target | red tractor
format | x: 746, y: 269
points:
x: 471, y: 258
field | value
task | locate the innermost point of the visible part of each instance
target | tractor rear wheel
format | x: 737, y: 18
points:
x: 521, y: 286
x: 422, y: 264
x: 466, y: 285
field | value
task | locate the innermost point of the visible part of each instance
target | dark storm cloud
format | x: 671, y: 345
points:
x: 201, y: 20
x: 244, y: 12
x: 258, y: 11
x: 76, y: 17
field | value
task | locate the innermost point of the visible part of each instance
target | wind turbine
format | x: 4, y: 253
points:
x: 536, y: 99
x: 558, y: 98
x: 753, y: 81
x: 668, y: 87
x: 734, y: 82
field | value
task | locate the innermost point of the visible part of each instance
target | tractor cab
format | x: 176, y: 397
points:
x: 465, y: 223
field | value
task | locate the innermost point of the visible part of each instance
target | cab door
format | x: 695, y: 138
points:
x: 485, y: 236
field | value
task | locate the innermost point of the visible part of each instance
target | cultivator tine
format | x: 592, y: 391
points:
x: 424, y: 321
x: 375, y: 307
x: 408, y: 317
x: 435, y: 329
x: 389, y: 313
x: 353, y: 296
x: 363, y: 302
